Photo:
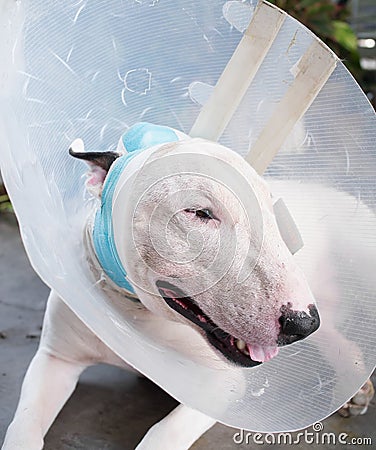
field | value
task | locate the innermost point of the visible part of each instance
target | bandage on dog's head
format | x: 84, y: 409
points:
x: 103, y: 181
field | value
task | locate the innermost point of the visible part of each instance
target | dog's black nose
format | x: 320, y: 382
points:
x: 296, y: 325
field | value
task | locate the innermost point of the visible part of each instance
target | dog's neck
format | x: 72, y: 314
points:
x: 102, y: 279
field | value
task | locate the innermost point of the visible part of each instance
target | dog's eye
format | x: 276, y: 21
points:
x: 204, y: 214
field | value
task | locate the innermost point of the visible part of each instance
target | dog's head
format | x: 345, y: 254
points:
x: 195, y: 230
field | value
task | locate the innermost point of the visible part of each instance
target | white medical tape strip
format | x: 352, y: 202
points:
x: 239, y: 72
x: 312, y: 72
x: 287, y: 227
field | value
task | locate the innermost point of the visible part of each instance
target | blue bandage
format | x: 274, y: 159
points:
x: 138, y: 138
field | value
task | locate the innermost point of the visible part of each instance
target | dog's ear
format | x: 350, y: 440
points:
x: 99, y: 164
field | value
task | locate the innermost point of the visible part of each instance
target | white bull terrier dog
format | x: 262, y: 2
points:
x: 179, y: 223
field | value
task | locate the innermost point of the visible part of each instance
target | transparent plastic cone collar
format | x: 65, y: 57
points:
x: 236, y: 213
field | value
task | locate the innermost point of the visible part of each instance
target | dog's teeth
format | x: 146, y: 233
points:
x: 240, y: 344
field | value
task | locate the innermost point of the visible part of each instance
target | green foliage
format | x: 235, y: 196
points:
x: 328, y: 22
x: 5, y: 205
x: 344, y: 35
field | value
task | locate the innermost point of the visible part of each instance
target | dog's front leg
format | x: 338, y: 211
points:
x: 67, y: 347
x: 48, y: 383
x: 177, y: 431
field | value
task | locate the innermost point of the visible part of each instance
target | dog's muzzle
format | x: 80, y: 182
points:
x: 294, y: 326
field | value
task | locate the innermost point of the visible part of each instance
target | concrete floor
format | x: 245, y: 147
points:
x: 111, y: 409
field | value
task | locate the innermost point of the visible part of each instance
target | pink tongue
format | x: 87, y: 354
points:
x: 262, y: 354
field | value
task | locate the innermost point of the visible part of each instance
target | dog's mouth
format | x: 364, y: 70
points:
x: 235, y: 350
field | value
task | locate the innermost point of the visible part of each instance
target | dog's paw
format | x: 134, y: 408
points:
x: 358, y: 405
